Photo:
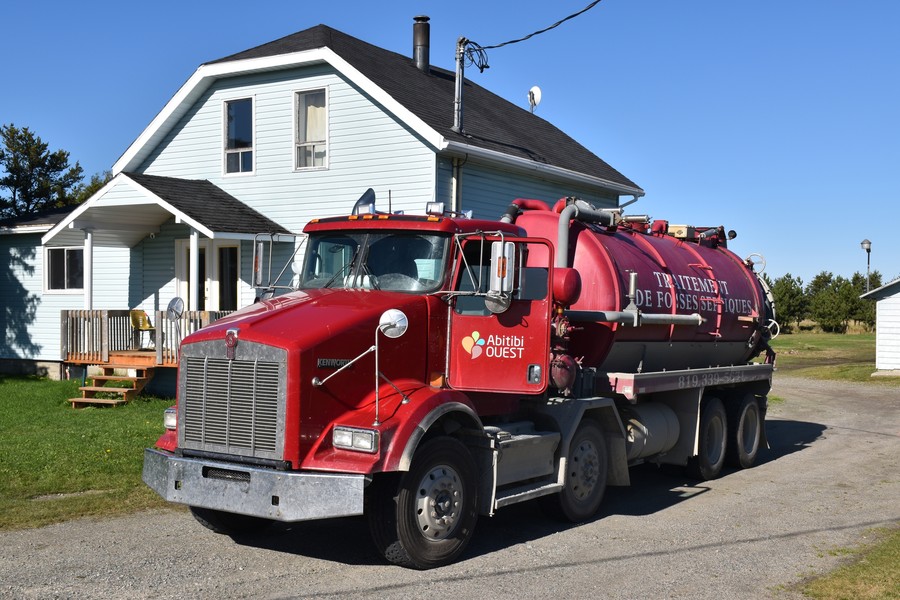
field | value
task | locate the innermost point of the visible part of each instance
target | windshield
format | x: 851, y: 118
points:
x: 392, y: 261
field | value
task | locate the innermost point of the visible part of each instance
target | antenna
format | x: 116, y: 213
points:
x: 534, y: 97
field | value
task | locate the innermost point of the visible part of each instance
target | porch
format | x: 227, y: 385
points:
x: 107, y: 337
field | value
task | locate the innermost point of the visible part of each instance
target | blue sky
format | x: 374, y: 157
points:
x: 779, y: 119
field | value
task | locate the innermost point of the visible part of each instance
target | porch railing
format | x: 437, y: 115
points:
x: 92, y: 336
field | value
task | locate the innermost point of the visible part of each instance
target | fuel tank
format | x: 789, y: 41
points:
x: 693, y: 274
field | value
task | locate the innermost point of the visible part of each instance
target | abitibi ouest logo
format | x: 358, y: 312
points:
x: 473, y: 344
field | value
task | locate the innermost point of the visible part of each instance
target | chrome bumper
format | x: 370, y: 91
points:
x: 248, y: 490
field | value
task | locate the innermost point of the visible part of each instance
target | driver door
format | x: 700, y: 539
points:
x: 508, y: 351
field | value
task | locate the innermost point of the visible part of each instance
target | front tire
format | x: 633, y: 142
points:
x: 745, y: 425
x: 427, y: 517
x: 713, y: 440
x: 229, y: 524
x: 587, y: 467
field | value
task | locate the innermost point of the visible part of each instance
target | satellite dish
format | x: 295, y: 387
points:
x: 534, y: 97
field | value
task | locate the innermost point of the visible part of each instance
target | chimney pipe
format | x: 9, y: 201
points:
x: 422, y: 43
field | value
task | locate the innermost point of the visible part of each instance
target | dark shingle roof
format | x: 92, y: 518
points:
x: 48, y: 217
x: 208, y: 204
x: 489, y: 121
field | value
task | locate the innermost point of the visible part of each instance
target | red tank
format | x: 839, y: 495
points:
x: 693, y: 274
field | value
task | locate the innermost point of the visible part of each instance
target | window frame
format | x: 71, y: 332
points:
x: 46, y: 274
x: 297, y: 143
x: 253, y: 147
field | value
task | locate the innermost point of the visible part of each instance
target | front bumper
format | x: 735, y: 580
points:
x: 248, y: 490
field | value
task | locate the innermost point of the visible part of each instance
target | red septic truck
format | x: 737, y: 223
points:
x: 431, y: 369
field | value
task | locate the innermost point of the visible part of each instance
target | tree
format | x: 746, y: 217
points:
x: 85, y: 190
x: 791, y: 305
x: 864, y: 310
x: 36, y: 178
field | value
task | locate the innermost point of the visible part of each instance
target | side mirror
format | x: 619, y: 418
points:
x: 175, y: 308
x: 503, y: 272
x: 393, y: 323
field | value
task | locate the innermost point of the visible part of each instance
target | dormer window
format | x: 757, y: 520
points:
x: 239, y: 136
x: 312, y: 129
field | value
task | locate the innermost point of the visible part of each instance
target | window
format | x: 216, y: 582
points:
x: 65, y: 268
x: 239, y: 136
x: 312, y: 129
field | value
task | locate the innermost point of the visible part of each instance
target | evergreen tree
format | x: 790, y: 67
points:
x: 791, y: 305
x: 35, y: 178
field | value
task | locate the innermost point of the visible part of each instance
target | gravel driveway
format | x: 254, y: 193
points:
x: 830, y: 476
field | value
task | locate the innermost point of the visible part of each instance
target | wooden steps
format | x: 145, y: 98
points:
x: 129, y: 386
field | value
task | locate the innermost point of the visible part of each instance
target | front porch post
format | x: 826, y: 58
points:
x: 194, y: 283
x: 88, y: 269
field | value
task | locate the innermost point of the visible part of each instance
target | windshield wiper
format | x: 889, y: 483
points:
x: 340, y: 271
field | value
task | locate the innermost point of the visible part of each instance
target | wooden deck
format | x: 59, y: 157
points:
x: 106, y: 340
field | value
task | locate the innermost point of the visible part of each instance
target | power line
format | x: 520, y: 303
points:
x: 546, y: 29
x: 476, y: 54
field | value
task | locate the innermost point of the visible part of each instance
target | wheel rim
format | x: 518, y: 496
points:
x: 714, y: 441
x: 750, y: 429
x: 438, y: 502
x: 585, y: 468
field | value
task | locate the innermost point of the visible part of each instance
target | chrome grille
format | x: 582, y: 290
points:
x: 232, y: 406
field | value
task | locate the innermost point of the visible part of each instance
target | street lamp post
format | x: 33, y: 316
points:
x: 867, y: 246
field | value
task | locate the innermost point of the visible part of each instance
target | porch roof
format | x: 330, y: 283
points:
x: 125, y: 219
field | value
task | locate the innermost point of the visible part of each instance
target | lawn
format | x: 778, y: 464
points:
x: 829, y: 356
x: 58, y: 463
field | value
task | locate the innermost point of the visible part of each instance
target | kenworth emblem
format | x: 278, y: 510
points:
x: 231, y: 341
x: 331, y: 363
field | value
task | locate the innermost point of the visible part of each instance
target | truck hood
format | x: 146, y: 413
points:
x: 303, y: 319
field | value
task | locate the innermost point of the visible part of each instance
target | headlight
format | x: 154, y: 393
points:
x: 361, y: 440
x: 170, y: 418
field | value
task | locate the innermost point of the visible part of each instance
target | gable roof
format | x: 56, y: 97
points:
x: 889, y: 289
x: 196, y: 203
x: 493, y: 128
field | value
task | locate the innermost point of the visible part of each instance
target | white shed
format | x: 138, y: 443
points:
x: 887, y: 319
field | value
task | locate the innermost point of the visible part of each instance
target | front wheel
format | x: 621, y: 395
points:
x: 586, y: 471
x: 713, y: 440
x: 427, y: 517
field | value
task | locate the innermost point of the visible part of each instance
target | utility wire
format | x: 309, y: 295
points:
x: 546, y: 29
x: 477, y: 55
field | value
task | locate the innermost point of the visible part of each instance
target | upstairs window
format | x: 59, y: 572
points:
x: 312, y: 129
x: 65, y: 269
x: 239, y: 136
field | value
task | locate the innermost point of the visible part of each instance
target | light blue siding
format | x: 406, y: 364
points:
x: 30, y: 316
x: 488, y: 191
x: 367, y: 147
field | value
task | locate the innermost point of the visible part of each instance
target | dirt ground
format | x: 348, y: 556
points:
x: 829, y: 479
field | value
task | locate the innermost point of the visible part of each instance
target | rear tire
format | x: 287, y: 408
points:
x: 712, y: 443
x: 587, y: 467
x: 745, y: 427
x: 426, y: 517
x: 229, y: 524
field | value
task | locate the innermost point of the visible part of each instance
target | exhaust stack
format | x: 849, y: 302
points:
x: 422, y: 43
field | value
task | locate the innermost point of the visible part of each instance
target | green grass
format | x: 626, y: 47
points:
x: 829, y: 356
x: 874, y: 571
x: 58, y: 463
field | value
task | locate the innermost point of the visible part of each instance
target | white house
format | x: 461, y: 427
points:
x: 262, y: 141
x: 887, y: 332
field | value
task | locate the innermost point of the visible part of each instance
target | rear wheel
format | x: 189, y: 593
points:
x: 229, y: 523
x: 586, y: 470
x: 745, y: 425
x: 426, y: 518
x: 713, y: 440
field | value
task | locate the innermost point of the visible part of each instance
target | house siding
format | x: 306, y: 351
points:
x: 887, y: 336
x: 30, y: 317
x: 366, y: 148
x: 488, y: 191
